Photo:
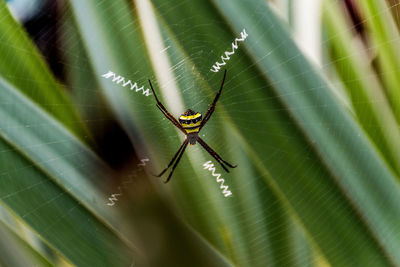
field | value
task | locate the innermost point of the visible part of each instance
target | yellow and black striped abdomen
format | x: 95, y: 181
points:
x: 191, y: 122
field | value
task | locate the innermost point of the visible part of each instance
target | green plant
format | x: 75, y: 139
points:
x: 317, y: 181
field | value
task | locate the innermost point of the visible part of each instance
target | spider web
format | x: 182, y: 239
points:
x: 252, y: 221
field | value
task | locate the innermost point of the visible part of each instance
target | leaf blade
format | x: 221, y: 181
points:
x: 23, y: 66
x: 314, y: 141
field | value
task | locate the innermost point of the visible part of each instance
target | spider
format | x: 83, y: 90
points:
x: 190, y: 123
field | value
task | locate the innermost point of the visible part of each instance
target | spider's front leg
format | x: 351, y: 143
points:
x: 213, y: 104
x: 168, y: 115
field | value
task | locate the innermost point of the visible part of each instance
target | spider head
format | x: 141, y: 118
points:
x: 189, y: 112
x: 190, y: 121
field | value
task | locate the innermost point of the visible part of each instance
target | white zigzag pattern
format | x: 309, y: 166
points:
x: 114, y: 197
x: 210, y: 166
x: 217, y: 66
x: 119, y: 79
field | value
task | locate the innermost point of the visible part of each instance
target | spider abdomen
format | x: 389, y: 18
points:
x: 190, y: 121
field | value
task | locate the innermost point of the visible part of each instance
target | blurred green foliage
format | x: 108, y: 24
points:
x: 317, y: 181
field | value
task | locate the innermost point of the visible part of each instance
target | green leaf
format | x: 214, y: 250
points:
x: 226, y: 222
x: 312, y: 153
x: 25, y: 126
x: 366, y: 94
x: 124, y: 53
x: 116, y: 47
x: 81, y: 80
x: 300, y: 152
x: 17, y: 252
x: 46, y: 181
x: 23, y: 66
x: 385, y: 42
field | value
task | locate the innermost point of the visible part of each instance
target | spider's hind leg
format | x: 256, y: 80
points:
x: 184, y: 145
x: 174, y: 157
x: 215, y: 155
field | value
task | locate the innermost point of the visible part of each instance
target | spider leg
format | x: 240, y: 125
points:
x: 201, y: 141
x: 212, y: 107
x: 173, y: 159
x: 168, y: 115
x: 172, y: 119
x: 215, y: 155
x: 184, y: 145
